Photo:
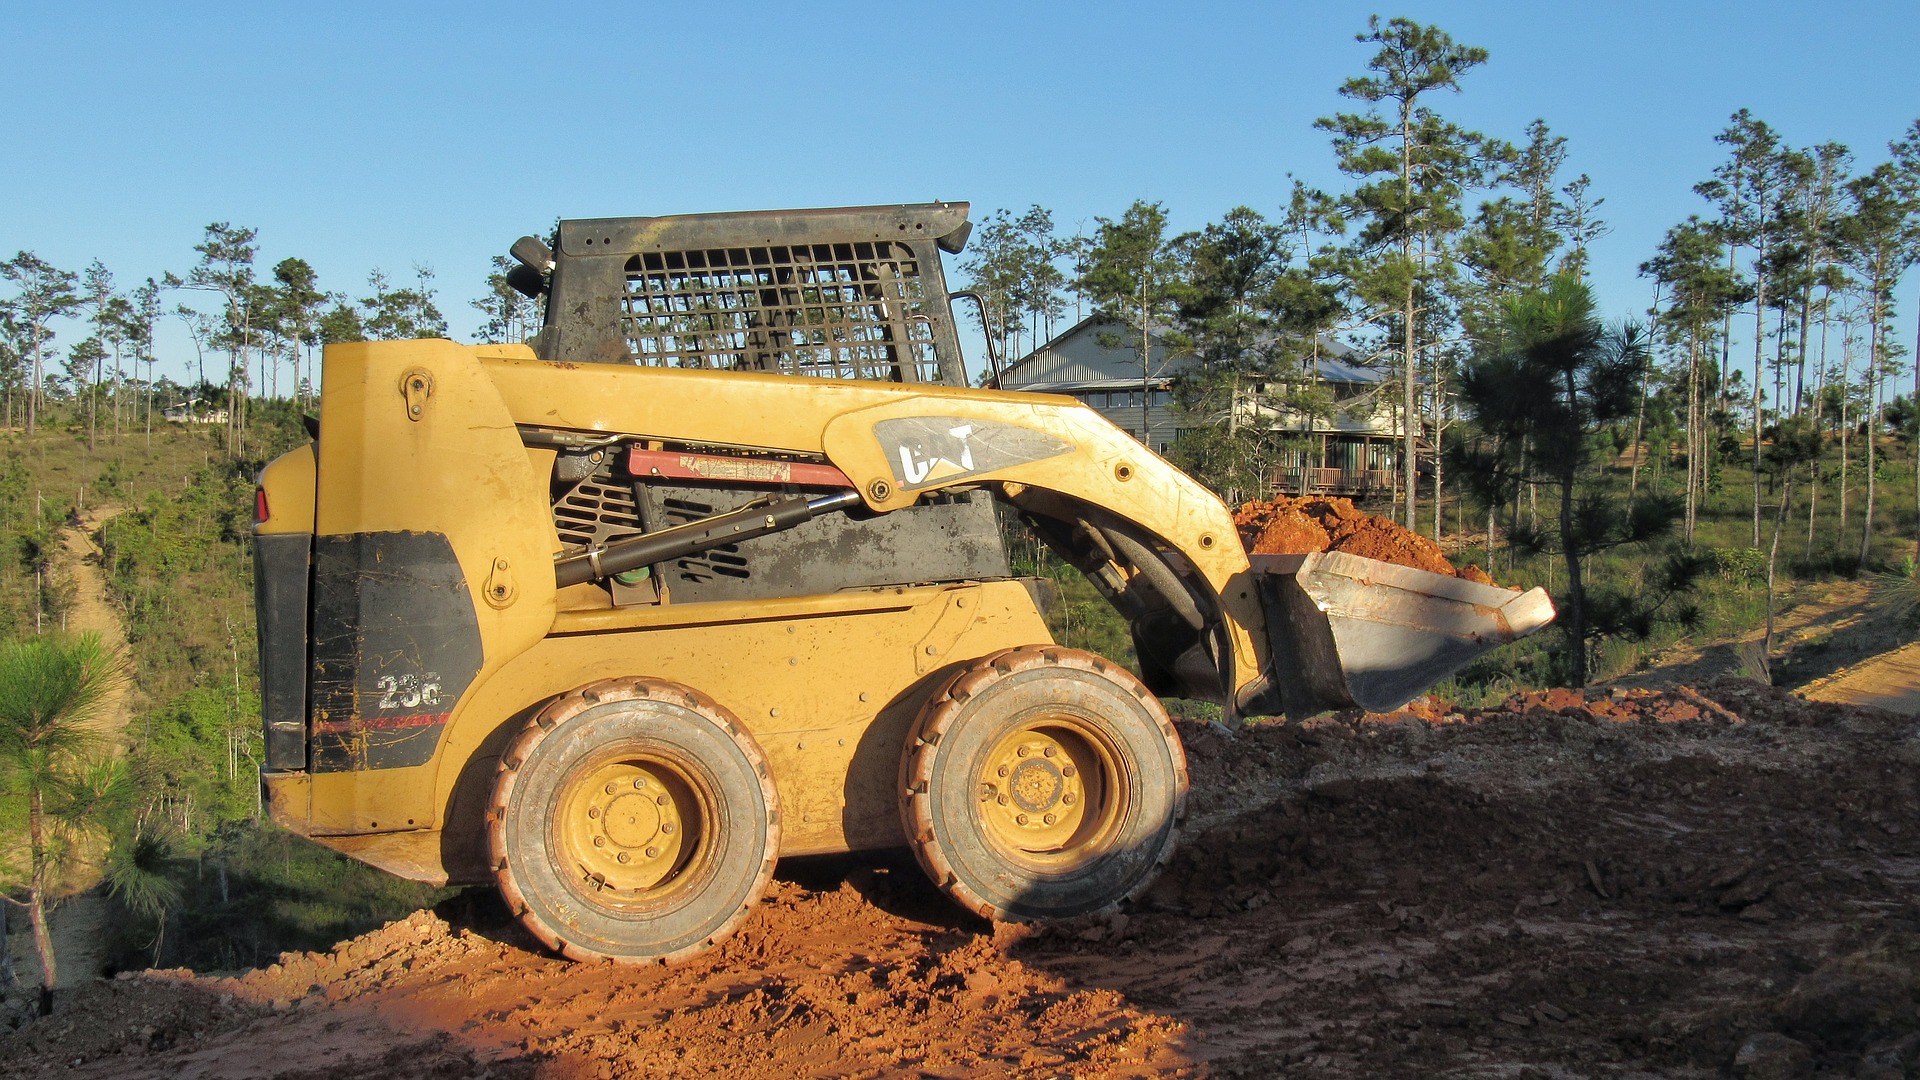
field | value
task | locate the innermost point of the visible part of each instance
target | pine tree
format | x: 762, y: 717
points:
x: 1543, y: 389
x: 295, y: 312
x: 1752, y: 188
x: 226, y: 269
x: 402, y: 314
x: 1414, y: 168
x: 1226, y: 316
x: 1699, y: 289
x: 1906, y: 175
x: 1877, y: 240
x: 51, y: 688
x: 44, y: 292
x: 512, y: 318
x: 1130, y: 275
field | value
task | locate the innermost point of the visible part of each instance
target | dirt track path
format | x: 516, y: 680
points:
x: 1890, y: 681
x: 81, y: 923
x: 1840, y: 612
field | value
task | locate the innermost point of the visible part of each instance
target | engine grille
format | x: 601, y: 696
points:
x: 839, y: 311
x: 722, y: 561
x: 596, y: 510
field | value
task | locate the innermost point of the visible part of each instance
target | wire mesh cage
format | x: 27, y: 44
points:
x: 832, y: 310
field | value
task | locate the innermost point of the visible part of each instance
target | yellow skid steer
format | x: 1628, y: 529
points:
x: 713, y: 572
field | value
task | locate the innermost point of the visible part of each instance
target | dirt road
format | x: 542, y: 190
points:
x: 1679, y: 883
x: 80, y: 930
x: 1890, y: 681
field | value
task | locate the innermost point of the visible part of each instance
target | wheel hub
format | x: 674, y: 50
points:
x: 1038, y: 788
x: 625, y: 824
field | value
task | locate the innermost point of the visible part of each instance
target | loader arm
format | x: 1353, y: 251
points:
x: 1160, y: 545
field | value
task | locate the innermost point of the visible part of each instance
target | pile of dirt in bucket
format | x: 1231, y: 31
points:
x: 1288, y: 526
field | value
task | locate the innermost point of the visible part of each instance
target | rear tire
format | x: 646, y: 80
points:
x: 1043, y: 783
x: 633, y: 821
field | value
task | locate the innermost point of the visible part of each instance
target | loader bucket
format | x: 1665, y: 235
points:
x: 1348, y: 631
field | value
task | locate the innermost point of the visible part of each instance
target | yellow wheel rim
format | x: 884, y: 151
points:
x: 1048, y: 792
x: 629, y: 827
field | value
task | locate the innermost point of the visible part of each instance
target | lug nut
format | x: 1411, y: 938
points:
x: 661, y: 799
x: 1066, y: 770
x: 624, y: 857
x: 1050, y: 751
x: 639, y: 781
x: 1049, y: 819
x: 599, y: 841
x: 1002, y: 800
x: 593, y: 811
x: 1002, y: 771
x: 653, y: 853
x: 1024, y: 751
x: 1068, y: 798
x: 611, y: 788
x: 666, y: 827
x: 1022, y: 819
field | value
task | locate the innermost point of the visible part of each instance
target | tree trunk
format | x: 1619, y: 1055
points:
x: 1819, y: 427
x: 1639, y: 429
x: 1576, y: 590
x: 1409, y: 313
x: 116, y: 392
x: 1146, y: 371
x: 1773, y: 560
x: 1874, y: 395
x: 1846, y: 433
x: 37, y: 885
x: 1759, y: 351
x: 93, y: 399
x: 1439, y: 489
x: 33, y: 392
x: 1696, y: 438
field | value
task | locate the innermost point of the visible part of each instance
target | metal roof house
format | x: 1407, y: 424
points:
x: 1353, y: 453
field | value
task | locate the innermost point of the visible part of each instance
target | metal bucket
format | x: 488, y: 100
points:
x: 1348, y: 631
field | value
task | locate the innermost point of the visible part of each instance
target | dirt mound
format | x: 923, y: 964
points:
x: 1288, y: 526
x: 1706, y: 882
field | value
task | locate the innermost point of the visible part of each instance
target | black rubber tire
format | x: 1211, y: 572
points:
x: 721, y: 788
x: 1092, y: 710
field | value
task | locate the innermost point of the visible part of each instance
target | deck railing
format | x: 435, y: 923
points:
x: 1291, y: 481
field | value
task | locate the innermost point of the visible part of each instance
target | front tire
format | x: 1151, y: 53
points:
x: 633, y: 821
x: 1043, y: 783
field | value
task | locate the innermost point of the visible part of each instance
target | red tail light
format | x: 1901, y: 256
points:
x: 259, y: 506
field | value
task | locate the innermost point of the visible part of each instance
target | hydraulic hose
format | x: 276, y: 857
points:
x: 696, y: 536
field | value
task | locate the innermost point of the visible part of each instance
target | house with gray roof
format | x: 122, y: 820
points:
x: 1352, y: 453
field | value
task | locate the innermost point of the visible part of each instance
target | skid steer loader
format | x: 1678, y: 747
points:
x: 712, y: 573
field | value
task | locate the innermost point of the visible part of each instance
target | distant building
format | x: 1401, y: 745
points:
x: 194, y: 412
x: 1354, y: 453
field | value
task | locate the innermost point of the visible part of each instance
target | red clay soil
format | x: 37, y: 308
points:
x: 1670, y: 883
x: 1287, y: 526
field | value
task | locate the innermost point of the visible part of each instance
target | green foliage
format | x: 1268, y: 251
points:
x: 1545, y: 392
x: 52, y: 688
x: 1742, y: 565
x: 402, y: 314
x: 253, y: 892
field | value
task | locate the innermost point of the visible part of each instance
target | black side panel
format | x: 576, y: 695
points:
x: 395, y: 645
x: 280, y: 611
x: 953, y: 539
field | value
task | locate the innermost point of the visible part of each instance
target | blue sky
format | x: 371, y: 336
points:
x: 363, y: 136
